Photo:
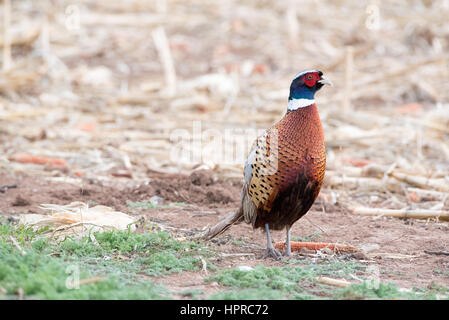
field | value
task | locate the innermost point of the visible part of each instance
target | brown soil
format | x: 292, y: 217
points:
x: 200, y: 189
x: 211, y: 199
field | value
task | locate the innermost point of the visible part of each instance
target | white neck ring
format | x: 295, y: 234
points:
x: 295, y: 104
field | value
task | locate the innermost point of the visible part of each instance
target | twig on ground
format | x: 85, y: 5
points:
x: 76, y: 224
x: 27, y: 158
x: 3, y: 290
x: 91, y: 280
x: 204, y: 265
x: 204, y: 213
x: 438, y: 253
x: 7, y: 187
x: 387, y: 255
x: 16, y: 243
x: 229, y: 255
x: 20, y: 294
x: 334, y: 282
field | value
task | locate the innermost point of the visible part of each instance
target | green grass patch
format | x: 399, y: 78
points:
x: 300, y: 282
x: 42, y: 276
x: 122, y: 265
x: 442, y: 272
x: 156, y: 253
x: 293, y: 282
x: 370, y: 290
x: 46, y: 269
x: 20, y: 233
x: 248, y: 294
x: 310, y: 237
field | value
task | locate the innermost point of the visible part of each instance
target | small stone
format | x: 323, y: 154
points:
x: 360, y: 255
x: 122, y: 173
x: 155, y: 200
x: 369, y: 247
x: 244, y: 268
x: 327, y: 251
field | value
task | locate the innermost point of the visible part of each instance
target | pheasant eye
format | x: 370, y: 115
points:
x: 309, y: 77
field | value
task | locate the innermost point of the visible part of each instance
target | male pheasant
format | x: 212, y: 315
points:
x: 285, y: 167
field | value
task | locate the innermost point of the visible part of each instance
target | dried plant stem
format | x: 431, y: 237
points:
x: 348, y: 78
x: 161, y: 6
x: 45, y: 36
x: 429, y: 193
x: 402, y: 213
x: 438, y: 253
x: 334, y: 282
x: 422, y: 182
x: 91, y: 280
x: 163, y: 49
x: 7, y: 60
x: 292, y: 23
x: 358, y: 51
x: 228, y: 255
x: 400, y: 72
x: 16, y: 243
x: 361, y: 182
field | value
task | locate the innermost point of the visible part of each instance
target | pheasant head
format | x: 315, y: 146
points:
x: 303, y: 88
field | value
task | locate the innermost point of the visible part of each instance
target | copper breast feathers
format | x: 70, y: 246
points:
x: 289, y: 158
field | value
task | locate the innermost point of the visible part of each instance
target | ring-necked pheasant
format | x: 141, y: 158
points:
x: 285, y: 167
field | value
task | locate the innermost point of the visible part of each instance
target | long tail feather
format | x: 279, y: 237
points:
x: 224, y: 224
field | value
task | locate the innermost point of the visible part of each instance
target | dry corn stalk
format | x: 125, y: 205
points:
x: 164, y: 52
x: 334, y: 282
x: 422, y: 182
x: 6, y: 35
x: 78, y: 219
x: 403, y: 213
x: 432, y: 194
x: 362, y: 183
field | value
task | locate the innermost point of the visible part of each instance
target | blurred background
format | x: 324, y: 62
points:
x: 116, y: 89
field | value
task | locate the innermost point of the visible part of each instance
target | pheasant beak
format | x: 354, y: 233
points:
x: 325, y: 81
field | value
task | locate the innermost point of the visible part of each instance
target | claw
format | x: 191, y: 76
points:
x: 272, y: 253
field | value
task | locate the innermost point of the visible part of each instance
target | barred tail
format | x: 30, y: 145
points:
x: 224, y: 224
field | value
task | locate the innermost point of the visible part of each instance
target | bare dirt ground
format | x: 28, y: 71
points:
x: 398, y: 245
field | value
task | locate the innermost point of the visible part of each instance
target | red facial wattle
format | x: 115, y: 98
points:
x: 311, y: 79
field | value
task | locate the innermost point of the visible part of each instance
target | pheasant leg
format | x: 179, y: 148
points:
x: 271, y: 252
x: 288, y: 249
